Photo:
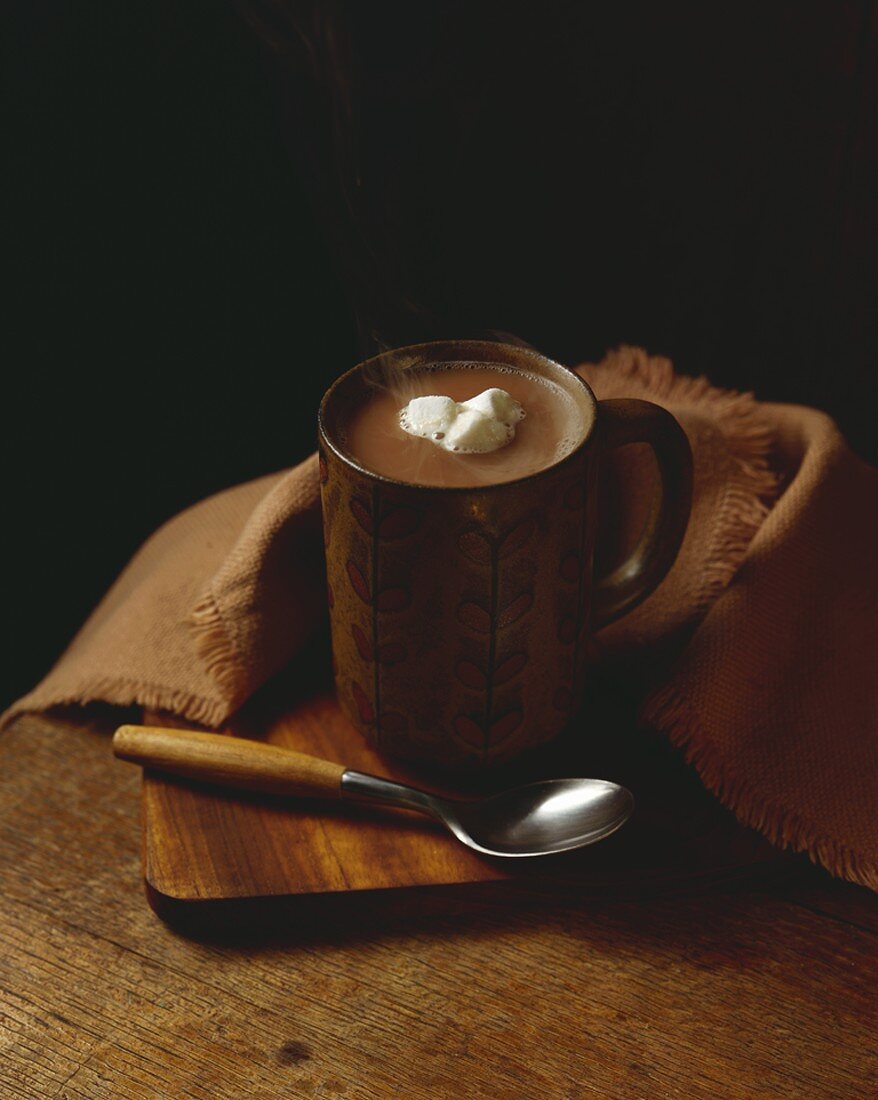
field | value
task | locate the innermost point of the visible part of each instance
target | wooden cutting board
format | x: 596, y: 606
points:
x: 203, y: 844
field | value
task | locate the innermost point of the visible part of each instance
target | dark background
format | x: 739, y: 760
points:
x: 211, y: 209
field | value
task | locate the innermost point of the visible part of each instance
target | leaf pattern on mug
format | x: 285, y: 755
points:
x: 395, y: 523
x: 363, y: 705
x: 509, y: 668
x: 470, y: 675
x: 475, y: 677
x: 494, y: 602
x: 475, y: 546
x: 503, y: 728
x: 475, y: 617
x: 470, y: 732
x: 490, y: 616
x: 516, y: 538
x: 364, y: 646
x: 513, y: 611
x: 358, y: 582
x: 480, y: 547
x: 375, y: 578
x: 482, y: 737
x: 362, y: 513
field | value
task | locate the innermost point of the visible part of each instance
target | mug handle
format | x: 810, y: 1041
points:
x: 627, y: 420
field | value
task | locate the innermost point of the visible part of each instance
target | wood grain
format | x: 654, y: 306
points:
x: 203, y: 843
x: 500, y: 990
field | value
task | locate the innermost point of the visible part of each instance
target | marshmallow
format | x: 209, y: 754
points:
x: 483, y: 424
x: 425, y: 416
x: 497, y: 404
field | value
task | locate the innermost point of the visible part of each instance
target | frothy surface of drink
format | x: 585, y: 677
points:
x: 484, y: 423
x: 553, y: 426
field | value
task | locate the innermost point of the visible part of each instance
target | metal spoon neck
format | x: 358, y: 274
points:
x: 372, y: 788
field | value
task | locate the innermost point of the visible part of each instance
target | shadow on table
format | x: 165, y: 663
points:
x: 624, y: 875
x: 628, y: 912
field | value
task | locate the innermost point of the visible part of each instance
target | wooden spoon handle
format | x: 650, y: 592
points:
x: 228, y: 761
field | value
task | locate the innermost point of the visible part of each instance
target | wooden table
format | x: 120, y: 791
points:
x: 763, y: 986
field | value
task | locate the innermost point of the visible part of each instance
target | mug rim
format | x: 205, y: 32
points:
x: 349, y: 460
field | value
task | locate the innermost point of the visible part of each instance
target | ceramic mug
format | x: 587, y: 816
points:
x: 460, y: 616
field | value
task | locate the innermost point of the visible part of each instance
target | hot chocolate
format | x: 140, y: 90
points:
x: 550, y: 428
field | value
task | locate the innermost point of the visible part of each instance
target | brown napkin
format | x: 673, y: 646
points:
x: 774, y: 696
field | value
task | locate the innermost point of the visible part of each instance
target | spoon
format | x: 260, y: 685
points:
x: 553, y: 815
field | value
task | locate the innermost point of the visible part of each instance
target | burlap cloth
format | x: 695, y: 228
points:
x: 773, y: 697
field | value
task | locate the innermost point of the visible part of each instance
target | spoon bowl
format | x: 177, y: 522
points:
x: 539, y: 819
x: 542, y: 818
